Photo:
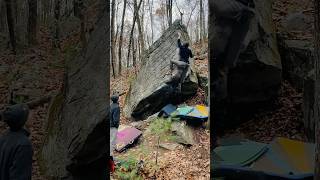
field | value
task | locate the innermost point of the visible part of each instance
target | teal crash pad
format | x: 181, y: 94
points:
x: 183, y: 111
x: 241, y: 154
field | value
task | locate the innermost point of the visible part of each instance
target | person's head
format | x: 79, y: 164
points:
x: 16, y: 116
x: 186, y: 45
x: 114, y: 98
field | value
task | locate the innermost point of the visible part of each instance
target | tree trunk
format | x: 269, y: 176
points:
x: 317, y: 87
x: 121, y: 35
x: 132, y: 29
x: 169, y: 11
x: 201, y: 21
x: 57, y: 23
x: 11, y: 23
x: 113, y: 56
x: 151, y: 18
x: 32, y: 22
x: 133, y: 53
x: 141, y: 38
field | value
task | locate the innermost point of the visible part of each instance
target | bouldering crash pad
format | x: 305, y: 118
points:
x: 183, y: 111
x: 284, y: 159
x: 126, y: 137
x: 167, y: 110
x: 241, y: 154
x: 287, y: 157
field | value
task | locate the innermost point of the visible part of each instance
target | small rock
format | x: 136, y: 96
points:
x: 169, y: 146
x: 184, y: 132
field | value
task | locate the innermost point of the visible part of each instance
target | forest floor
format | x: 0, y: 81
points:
x: 180, y: 163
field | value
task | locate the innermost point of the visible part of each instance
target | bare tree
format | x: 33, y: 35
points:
x: 140, y: 24
x: 136, y: 10
x: 181, y: 13
x: 317, y: 87
x: 169, y: 11
x: 121, y: 35
x: 151, y: 17
x: 32, y: 21
x: 201, y: 23
x: 10, y: 22
x: 113, y: 56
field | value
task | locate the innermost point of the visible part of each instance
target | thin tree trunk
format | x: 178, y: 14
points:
x: 141, y: 38
x: 317, y: 87
x: 32, y: 22
x: 132, y: 29
x: 11, y: 23
x: 121, y: 35
x: 201, y: 22
x: 169, y: 12
x: 151, y: 17
x: 133, y: 53
x: 113, y: 37
x: 195, y: 5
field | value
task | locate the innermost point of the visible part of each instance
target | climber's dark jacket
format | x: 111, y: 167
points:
x: 184, y: 52
x: 114, y: 112
x: 15, y: 147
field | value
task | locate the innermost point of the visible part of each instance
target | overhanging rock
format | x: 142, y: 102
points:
x: 148, y: 93
x: 257, y: 76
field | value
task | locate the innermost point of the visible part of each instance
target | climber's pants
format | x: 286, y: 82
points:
x: 113, y: 139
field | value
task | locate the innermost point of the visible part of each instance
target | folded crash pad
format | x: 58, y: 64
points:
x: 241, y: 154
x: 287, y: 157
x: 126, y: 137
x: 167, y: 110
x: 199, y: 111
x: 183, y: 111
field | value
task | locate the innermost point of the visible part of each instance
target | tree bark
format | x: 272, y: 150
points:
x: 140, y: 26
x: 169, y: 12
x: 32, y: 22
x: 113, y: 56
x: 317, y: 87
x: 121, y: 35
x: 151, y: 18
x: 11, y: 23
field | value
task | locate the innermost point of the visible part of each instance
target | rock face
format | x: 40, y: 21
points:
x: 257, y: 75
x: 297, y: 60
x: 298, y: 69
x: 148, y: 93
x: 76, y: 144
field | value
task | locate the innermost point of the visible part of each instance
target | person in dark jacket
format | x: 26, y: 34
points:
x: 114, y: 125
x: 15, y: 147
x: 184, y: 52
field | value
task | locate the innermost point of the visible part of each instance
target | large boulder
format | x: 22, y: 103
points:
x: 148, y: 92
x: 257, y: 75
x: 258, y: 72
x: 76, y: 145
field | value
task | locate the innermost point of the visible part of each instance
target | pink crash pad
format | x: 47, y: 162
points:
x: 126, y: 137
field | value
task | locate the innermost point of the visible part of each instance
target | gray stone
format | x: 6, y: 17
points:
x: 76, y: 140
x: 257, y: 75
x: 169, y: 146
x: 148, y: 92
x: 184, y: 132
x: 297, y: 60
